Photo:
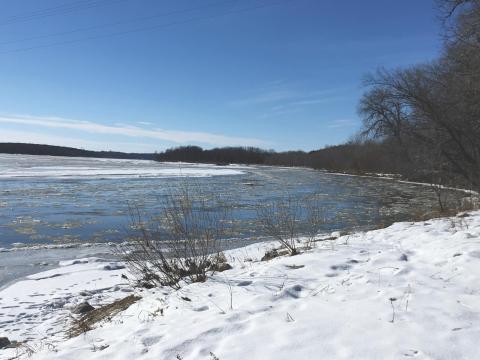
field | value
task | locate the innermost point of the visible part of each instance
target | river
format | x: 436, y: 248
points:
x: 56, y: 208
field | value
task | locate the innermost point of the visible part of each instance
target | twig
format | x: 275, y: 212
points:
x: 290, y: 318
x: 392, y: 299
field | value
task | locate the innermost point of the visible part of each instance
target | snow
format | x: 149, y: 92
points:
x: 411, y: 290
x: 118, y: 173
x: 397, y: 178
x: 33, y: 166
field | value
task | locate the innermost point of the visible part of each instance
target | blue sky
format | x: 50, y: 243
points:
x: 145, y: 75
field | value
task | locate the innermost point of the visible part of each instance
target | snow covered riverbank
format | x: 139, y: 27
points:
x: 410, y: 290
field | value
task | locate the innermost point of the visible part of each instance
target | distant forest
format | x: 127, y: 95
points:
x: 36, y: 149
x: 353, y: 157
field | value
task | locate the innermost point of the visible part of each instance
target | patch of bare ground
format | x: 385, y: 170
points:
x: 105, y: 313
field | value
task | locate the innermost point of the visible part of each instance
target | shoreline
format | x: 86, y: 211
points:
x: 349, y: 278
x: 397, y: 179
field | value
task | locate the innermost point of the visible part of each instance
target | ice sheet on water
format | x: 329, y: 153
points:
x: 18, y: 166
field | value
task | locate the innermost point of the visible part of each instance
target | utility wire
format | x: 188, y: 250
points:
x: 141, y: 29
x: 57, y: 10
x: 28, y: 14
x: 131, y: 21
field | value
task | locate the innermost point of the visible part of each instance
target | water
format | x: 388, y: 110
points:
x: 69, y: 201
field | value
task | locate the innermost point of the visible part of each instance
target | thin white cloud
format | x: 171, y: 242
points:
x: 322, y: 100
x: 270, y: 96
x: 278, y: 98
x: 279, y: 111
x: 179, y: 137
x: 341, y: 123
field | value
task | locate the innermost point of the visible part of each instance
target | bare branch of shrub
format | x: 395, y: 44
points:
x: 182, y: 243
x: 289, y: 218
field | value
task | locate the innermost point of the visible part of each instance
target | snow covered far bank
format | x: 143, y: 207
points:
x: 410, y: 290
x: 36, y: 166
x: 397, y: 178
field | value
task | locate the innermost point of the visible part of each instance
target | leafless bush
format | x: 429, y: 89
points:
x: 182, y: 242
x: 289, y: 218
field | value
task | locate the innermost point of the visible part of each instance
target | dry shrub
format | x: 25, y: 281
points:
x: 287, y: 219
x: 273, y: 253
x: 447, y: 209
x: 181, y: 243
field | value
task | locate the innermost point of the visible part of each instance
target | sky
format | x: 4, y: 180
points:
x: 146, y: 75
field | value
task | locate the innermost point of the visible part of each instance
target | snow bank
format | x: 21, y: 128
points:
x: 410, y: 290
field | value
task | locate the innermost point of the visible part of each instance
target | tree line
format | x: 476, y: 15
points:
x: 51, y: 150
x: 353, y: 157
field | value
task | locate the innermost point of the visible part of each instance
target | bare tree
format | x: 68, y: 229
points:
x: 461, y: 22
x: 440, y: 108
x: 383, y: 114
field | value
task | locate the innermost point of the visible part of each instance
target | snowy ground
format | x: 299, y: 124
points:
x: 408, y: 291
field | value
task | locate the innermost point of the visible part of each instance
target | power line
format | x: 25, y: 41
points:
x: 45, y: 10
x: 141, y: 29
x: 57, y: 10
x: 131, y: 21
